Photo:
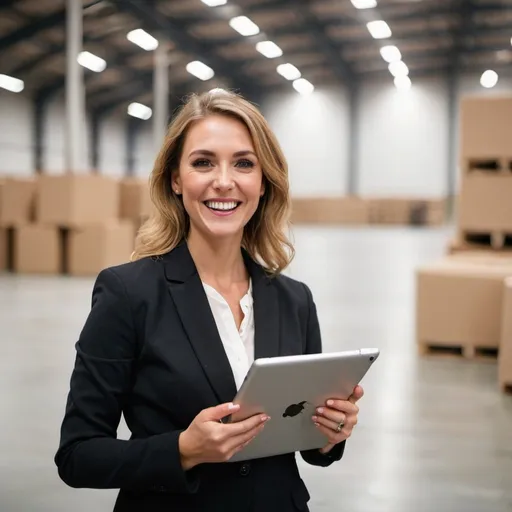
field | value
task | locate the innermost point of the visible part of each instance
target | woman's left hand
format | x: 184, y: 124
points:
x: 338, y: 418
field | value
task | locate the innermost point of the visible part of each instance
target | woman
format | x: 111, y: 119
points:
x: 171, y: 335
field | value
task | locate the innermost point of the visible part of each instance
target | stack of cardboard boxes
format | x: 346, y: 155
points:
x: 358, y: 211
x: 464, y: 301
x: 69, y: 224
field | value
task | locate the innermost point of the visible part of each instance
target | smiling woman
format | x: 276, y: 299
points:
x: 172, y: 334
x: 220, y: 173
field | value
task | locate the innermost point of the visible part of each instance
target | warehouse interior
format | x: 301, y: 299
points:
x: 395, y: 117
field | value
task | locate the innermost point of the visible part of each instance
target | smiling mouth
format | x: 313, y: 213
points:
x: 222, y: 206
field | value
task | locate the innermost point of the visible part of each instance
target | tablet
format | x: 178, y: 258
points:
x: 289, y: 389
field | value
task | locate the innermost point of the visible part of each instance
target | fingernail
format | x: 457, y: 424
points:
x: 314, y: 418
x: 265, y: 418
x: 320, y: 410
x: 330, y: 402
x: 233, y: 406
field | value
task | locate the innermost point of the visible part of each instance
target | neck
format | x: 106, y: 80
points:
x: 220, y: 262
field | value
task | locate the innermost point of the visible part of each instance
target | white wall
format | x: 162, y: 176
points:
x: 402, y: 144
x: 313, y: 132
x: 403, y: 139
x: 15, y: 135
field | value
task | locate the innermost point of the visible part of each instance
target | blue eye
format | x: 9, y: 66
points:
x: 245, y: 164
x: 202, y: 162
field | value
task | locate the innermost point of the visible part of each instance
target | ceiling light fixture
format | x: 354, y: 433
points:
x: 243, y: 25
x: 269, y: 49
x: 140, y: 111
x: 489, y: 79
x: 402, y: 83
x: 11, y: 84
x: 364, y: 4
x: 390, y: 53
x: 302, y: 86
x: 214, y: 3
x: 200, y: 70
x: 92, y: 62
x: 398, y: 68
x: 288, y: 71
x: 379, y: 29
x: 143, y: 39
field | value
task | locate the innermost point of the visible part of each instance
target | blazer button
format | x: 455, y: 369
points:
x: 245, y: 469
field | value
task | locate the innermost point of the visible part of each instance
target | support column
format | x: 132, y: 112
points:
x: 353, y: 128
x: 75, y: 140
x: 40, y: 109
x: 451, y: 160
x: 95, y: 141
x: 160, y: 96
x: 132, y: 129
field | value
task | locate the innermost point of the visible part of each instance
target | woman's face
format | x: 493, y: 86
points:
x: 220, y: 177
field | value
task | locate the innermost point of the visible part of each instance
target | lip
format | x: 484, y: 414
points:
x: 220, y: 213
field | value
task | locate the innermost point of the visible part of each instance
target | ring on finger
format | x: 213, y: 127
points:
x: 340, y: 426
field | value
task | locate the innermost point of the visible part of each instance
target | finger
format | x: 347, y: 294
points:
x: 220, y: 411
x: 332, y: 414
x: 328, y: 433
x: 356, y: 395
x: 343, y: 406
x: 244, y: 426
x: 330, y: 424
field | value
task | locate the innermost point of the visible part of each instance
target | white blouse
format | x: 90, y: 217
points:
x: 238, y: 344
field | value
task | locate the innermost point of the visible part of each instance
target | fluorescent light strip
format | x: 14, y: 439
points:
x: 143, y: 39
x: 398, y: 68
x: 11, y: 84
x: 92, y: 62
x: 390, y: 53
x: 243, y: 25
x: 364, y: 4
x: 269, y: 49
x: 302, y: 86
x: 200, y: 70
x: 489, y: 79
x: 379, y: 29
x: 140, y: 111
x: 214, y: 3
x: 288, y: 71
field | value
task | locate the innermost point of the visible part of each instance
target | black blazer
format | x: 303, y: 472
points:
x: 150, y: 349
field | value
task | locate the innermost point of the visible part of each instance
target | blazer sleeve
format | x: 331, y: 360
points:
x: 89, y: 454
x: 314, y: 346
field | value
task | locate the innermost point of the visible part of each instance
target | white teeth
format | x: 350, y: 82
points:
x: 217, y: 205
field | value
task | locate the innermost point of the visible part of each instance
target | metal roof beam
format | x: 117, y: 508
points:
x: 173, y: 30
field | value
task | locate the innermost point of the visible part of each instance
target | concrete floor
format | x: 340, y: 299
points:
x: 434, y: 434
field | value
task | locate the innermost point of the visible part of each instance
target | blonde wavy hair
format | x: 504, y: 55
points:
x: 264, y: 236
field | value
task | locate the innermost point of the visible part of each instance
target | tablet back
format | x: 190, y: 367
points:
x: 289, y: 389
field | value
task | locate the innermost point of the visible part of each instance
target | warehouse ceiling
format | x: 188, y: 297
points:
x: 328, y: 41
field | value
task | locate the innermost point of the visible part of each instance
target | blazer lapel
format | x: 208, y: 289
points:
x: 191, y: 302
x: 266, y: 311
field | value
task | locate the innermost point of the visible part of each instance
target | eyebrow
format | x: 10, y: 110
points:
x: 211, y: 153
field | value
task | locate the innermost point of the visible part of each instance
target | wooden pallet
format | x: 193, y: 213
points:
x: 488, y: 165
x: 507, y: 388
x: 459, y: 351
x: 495, y: 240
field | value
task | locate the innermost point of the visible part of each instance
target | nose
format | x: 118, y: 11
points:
x: 223, y: 178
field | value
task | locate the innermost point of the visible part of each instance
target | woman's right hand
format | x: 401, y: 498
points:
x: 209, y: 440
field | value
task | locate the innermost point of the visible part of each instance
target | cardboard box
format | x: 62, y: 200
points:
x: 95, y: 247
x: 73, y: 201
x: 486, y: 127
x: 505, y: 354
x: 485, y: 203
x: 459, y: 302
x: 135, y: 202
x: 38, y: 249
x: 17, y: 201
x: 330, y: 210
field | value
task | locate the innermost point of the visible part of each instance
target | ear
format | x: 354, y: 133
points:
x: 176, y: 183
